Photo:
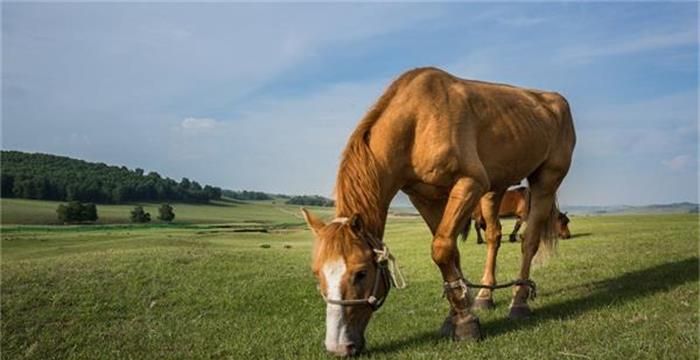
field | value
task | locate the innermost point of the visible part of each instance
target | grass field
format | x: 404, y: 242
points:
x: 36, y: 212
x: 624, y: 287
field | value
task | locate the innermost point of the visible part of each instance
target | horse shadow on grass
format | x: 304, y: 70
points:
x: 626, y: 287
x: 578, y: 235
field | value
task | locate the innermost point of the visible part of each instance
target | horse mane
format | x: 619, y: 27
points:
x: 357, y: 186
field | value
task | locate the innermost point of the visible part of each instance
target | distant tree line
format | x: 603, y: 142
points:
x: 312, y: 200
x: 50, y: 177
x: 247, y: 195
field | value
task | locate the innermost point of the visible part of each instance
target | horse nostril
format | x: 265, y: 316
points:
x: 351, y: 349
x: 345, y: 350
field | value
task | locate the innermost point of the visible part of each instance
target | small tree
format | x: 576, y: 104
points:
x: 76, y: 211
x: 89, y: 212
x: 166, y: 213
x: 62, y: 213
x: 140, y: 216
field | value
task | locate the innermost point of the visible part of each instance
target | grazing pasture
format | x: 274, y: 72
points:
x: 622, y: 287
x: 36, y: 212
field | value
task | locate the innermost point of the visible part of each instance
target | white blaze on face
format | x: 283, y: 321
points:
x: 336, y: 329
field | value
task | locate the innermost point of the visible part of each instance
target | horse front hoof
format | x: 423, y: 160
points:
x: 513, y: 238
x: 447, y: 328
x: 519, y: 312
x: 467, y: 329
x: 483, y: 304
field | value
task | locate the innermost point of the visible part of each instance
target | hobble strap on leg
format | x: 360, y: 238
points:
x: 459, y: 284
x: 532, y: 287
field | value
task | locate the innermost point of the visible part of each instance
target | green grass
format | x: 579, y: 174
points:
x: 38, y: 212
x: 625, y: 287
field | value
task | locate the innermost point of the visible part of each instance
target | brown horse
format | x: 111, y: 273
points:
x: 562, y: 225
x: 446, y: 142
x: 515, y: 203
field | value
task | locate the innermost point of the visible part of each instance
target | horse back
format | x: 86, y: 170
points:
x: 437, y: 128
x: 515, y: 203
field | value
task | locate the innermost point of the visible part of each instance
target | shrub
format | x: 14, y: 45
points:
x: 89, y: 212
x: 166, y: 213
x: 140, y: 216
x: 76, y: 211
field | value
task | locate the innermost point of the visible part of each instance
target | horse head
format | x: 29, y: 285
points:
x: 563, y: 225
x: 352, y: 277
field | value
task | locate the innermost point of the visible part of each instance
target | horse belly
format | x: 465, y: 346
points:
x: 426, y: 191
x: 508, y: 159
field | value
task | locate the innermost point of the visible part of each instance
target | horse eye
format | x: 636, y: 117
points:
x: 360, y: 275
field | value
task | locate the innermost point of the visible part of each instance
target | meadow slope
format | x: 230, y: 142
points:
x: 623, y: 287
x: 39, y: 212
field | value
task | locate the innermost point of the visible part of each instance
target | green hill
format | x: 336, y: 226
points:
x: 51, y: 177
x: 41, y: 212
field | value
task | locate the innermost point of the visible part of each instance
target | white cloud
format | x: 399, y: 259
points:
x: 678, y: 163
x: 192, y: 56
x: 196, y: 77
x: 192, y: 123
x: 637, y: 44
x: 659, y: 126
x: 301, y: 137
x: 521, y: 21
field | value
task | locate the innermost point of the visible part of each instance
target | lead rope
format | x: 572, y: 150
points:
x: 464, y: 284
x: 384, y: 256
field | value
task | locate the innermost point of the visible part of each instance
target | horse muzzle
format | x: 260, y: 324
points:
x: 346, y: 350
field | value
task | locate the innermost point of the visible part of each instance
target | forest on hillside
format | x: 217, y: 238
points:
x: 51, y: 177
x: 310, y: 200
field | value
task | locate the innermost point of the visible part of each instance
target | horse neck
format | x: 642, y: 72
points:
x: 369, y: 197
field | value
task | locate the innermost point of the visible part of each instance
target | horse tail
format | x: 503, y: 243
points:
x: 528, y: 195
x: 464, y: 234
x: 548, y: 236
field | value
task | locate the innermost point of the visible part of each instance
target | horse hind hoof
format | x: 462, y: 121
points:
x: 519, y: 312
x: 513, y: 238
x: 483, y: 304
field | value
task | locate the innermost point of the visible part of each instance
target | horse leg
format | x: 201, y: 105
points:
x: 514, y: 235
x: 478, y: 224
x: 543, y: 187
x: 461, y: 323
x: 430, y: 210
x: 490, y: 204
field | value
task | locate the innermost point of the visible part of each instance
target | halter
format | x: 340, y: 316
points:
x: 387, y: 271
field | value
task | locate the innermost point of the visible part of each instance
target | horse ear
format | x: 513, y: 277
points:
x: 356, y: 223
x: 315, y: 224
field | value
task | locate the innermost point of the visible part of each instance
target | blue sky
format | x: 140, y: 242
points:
x: 264, y: 96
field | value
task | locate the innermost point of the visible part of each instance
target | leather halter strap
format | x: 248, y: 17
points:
x: 387, y: 271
